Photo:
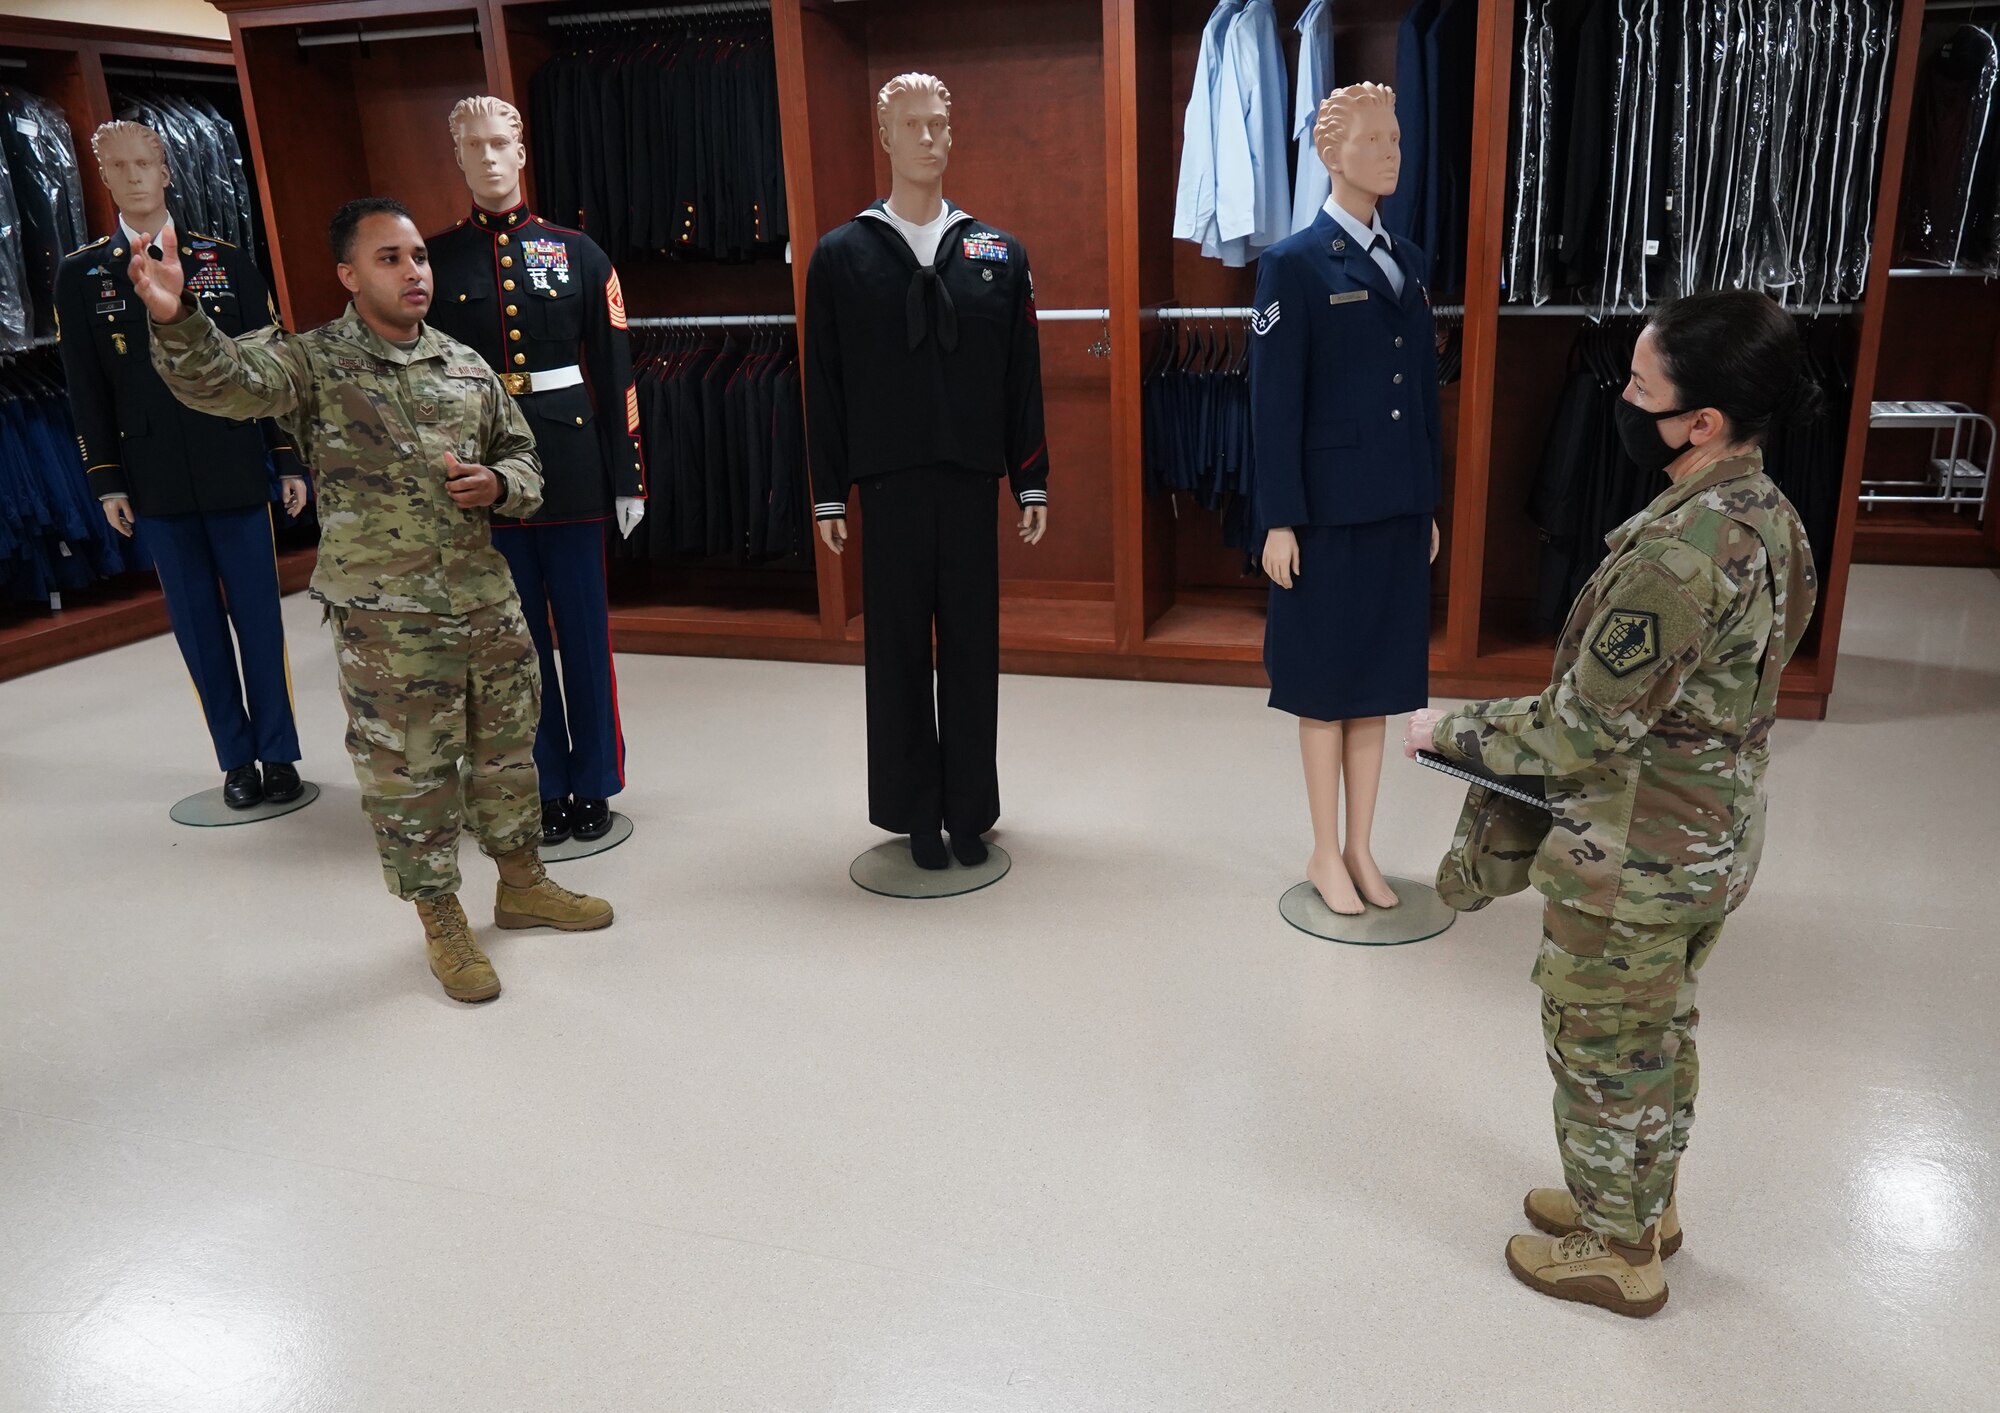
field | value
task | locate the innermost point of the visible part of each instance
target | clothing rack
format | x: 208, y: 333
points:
x: 1586, y: 311
x: 154, y: 75
x: 1244, y: 311
x: 712, y: 321
x: 374, y: 36
x: 664, y: 12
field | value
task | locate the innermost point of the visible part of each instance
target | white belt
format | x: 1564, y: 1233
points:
x: 544, y: 380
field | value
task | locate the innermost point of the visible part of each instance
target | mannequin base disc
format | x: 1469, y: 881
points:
x: 206, y: 810
x: 1422, y: 913
x: 889, y: 870
x: 575, y: 848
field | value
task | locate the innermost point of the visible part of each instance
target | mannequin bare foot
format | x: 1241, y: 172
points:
x: 1327, y: 873
x: 1368, y: 879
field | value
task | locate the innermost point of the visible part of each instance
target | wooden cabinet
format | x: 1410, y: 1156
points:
x: 1067, y: 127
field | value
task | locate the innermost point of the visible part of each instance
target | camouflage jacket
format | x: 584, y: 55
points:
x: 1655, y: 731
x: 374, y: 423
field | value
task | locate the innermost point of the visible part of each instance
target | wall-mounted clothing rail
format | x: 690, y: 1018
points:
x: 169, y: 76
x: 1244, y: 311
x: 1927, y: 272
x: 712, y: 321
x: 665, y: 12
x: 1070, y: 316
x: 1585, y: 311
x: 383, y: 36
x: 8, y: 61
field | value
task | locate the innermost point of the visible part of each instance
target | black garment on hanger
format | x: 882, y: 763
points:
x: 40, y: 158
x: 664, y: 138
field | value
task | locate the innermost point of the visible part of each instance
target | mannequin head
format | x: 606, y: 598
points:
x: 913, y: 118
x: 486, y: 137
x: 383, y: 263
x: 1360, y: 144
x: 132, y: 161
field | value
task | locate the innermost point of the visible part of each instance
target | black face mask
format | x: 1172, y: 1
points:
x: 1639, y: 433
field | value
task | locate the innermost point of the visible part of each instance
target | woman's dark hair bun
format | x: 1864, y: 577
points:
x: 1739, y: 352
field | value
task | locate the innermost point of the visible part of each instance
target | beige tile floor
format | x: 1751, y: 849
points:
x: 1109, y: 1136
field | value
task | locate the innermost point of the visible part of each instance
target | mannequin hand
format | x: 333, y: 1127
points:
x: 834, y: 532
x: 295, y: 495
x: 631, y: 510
x: 118, y: 510
x: 158, y: 283
x: 1034, y: 523
x: 470, y: 486
x: 1434, y: 542
x: 1281, y: 557
x: 1421, y: 733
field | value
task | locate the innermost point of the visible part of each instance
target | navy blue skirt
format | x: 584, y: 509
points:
x: 1352, y: 636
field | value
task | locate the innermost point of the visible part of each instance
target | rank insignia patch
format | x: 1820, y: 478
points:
x: 614, y: 299
x: 1262, y: 321
x: 984, y: 246
x: 1628, y: 641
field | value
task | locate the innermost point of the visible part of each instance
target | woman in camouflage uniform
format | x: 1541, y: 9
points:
x: 1652, y: 738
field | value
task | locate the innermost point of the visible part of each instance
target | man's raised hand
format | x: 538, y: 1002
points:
x: 159, y: 282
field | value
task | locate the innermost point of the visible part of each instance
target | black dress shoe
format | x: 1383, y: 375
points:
x: 592, y: 818
x: 555, y: 821
x: 242, y: 788
x: 281, y: 782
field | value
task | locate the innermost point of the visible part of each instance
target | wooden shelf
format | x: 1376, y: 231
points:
x: 1914, y: 534
x: 108, y: 615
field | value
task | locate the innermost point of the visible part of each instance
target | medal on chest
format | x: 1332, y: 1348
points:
x: 545, y: 260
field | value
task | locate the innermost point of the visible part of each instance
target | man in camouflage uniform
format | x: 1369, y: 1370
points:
x: 1653, y: 740
x: 412, y: 439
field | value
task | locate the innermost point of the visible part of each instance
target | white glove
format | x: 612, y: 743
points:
x: 631, y: 510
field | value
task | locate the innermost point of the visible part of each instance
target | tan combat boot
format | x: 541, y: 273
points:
x: 458, y: 964
x: 1554, y: 1211
x: 1584, y: 1266
x: 528, y: 897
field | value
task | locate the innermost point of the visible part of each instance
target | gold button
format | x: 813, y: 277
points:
x: 110, y: 318
x: 579, y: 421
x: 511, y: 309
x: 461, y: 299
x: 520, y: 358
x: 508, y: 285
x: 503, y: 240
x: 507, y: 261
x: 117, y: 252
x: 514, y: 334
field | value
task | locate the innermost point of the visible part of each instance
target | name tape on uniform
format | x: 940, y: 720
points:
x: 1353, y: 296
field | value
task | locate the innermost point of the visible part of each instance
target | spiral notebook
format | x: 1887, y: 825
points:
x: 1525, y: 788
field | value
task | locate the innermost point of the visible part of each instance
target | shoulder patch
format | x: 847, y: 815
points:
x: 1629, y: 639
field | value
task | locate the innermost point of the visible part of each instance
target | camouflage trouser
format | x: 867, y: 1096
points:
x: 441, y: 718
x: 1618, y: 1019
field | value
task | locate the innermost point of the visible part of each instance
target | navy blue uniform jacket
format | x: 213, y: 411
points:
x: 1343, y: 383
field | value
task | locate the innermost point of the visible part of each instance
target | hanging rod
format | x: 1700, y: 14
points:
x: 155, y: 76
x: 379, y: 36
x: 664, y: 12
x: 8, y: 61
x: 1070, y: 316
x: 1586, y: 311
x: 712, y: 321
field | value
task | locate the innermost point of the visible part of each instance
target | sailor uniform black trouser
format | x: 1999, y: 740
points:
x: 930, y: 563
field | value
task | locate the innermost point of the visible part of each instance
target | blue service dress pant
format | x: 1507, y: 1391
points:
x: 930, y: 571
x: 560, y: 573
x: 220, y: 570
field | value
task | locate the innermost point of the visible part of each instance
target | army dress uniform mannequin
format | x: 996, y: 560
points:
x: 194, y: 488
x: 541, y: 304
x: 924, y: 387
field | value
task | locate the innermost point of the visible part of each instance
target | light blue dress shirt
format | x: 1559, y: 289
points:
x: 1253, y: 207
x: 1194, y: 198
x: 1312, y: 186
x: 1374, y: 238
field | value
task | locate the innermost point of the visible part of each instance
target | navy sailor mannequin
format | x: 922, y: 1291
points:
x: 542, y: 305
x: 1344, y: 413
x: 923, y: 388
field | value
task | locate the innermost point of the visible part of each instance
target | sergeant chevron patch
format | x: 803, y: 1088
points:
x: 614, y: 298
x: 1262, y: 321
